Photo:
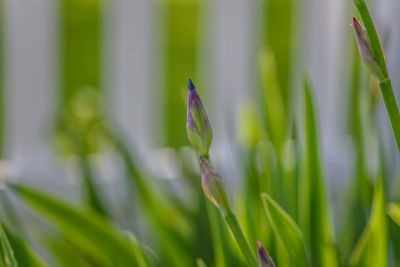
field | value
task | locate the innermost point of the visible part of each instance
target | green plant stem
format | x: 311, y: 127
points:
x: 391, y: 106
x: 231, y: 220
x: 233, y: 224
x: 385, y: 83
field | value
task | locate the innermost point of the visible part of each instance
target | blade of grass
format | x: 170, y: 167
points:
x: 91, y: 192
x: 276, y: 121
x: 140, y: 256
x: 64, y: 254
x: 223, y: 254
x: 275, y: 117
x: 248, y: 205
x: 7, y: 255
x: 10, y: 212
x: 92, y: 231
x: 241, y: 240
x: 273, y: 101
x: 286, y: 231
x: 372, y: 247
x: 361, y: 187
x: 22, y: 251
x: 172, y: 230
x: 315, y: 218
x: 393, y: 210
x: 278, y: 38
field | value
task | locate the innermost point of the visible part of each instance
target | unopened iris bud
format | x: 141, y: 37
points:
x: 364, y: 46
x: 213, y: 185
x: 197, y: 126
x: 264, y: 259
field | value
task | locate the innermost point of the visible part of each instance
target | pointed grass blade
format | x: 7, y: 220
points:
x: 372, y: 248
x: 7, y: 253
x: 315, y: 218
x: 93, y: 232
x: 22, y: 251
x: 286, y: 231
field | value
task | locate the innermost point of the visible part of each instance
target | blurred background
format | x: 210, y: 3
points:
x: 137, y: 56
x: 72, y: 68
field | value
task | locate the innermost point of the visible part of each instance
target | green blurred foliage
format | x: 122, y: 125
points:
x: 81, y: 38
x: 180, y: 43
x: 278, y: 37
x: 280, y: 160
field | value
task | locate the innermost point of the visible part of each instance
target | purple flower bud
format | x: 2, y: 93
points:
x: 364, y: 46
x: 264, y: 258
x: 197, y: 126
x: 213, y: 185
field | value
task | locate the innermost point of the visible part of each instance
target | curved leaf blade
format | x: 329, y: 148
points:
x: 7, y: 257
x: 315, y: 215
x: 286, y: 231
x: 92, y: 231
x: 372, y: 247
x: 23, y: 253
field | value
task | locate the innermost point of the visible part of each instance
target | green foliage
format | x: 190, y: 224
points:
x: 22, y: 251
x: 385, y: 84
x: 278, y: 26
x: 372, y: 247
x: 286, y: 231
x: 180, y: 43
x: 90, y: 231
x: 315, y: 218
x: 7, y: 253
x: 81, y: 38
x: 393, y: 210
x: 280, y: 154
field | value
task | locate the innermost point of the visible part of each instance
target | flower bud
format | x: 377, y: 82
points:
x: 364, y: 46
x: 213, y: 186
x: 197, y: 126
x: 264, y: 259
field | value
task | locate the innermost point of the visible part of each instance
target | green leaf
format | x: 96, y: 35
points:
x: 64, y: 253
x: 278, y: 26
x: 200, y: 263
x: 140, y: 256
x: 314, y: 217
x: 286, y: 231
x: 393, y: 210
x: 173, y: 230
x: 372, y: 248
x: 7, y: 253
x: 92, y: 193
x: 22, y: 251
x: 274, y: 105
x: 93, y: 232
